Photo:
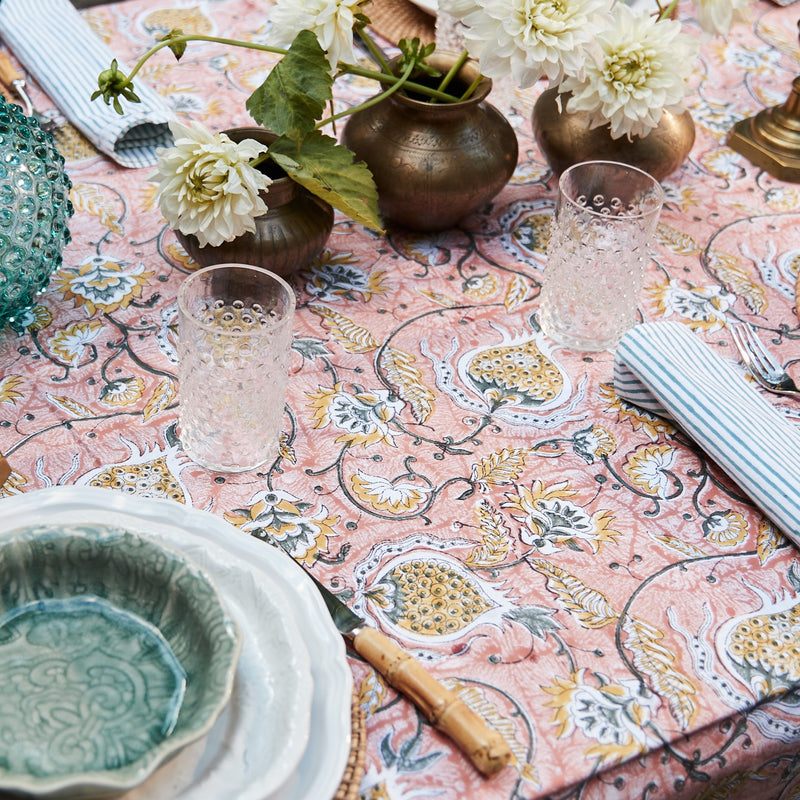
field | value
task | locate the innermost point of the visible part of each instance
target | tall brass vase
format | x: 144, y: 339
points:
x: 434, y: 163
x: 287, y: 238
x: 565, y: 139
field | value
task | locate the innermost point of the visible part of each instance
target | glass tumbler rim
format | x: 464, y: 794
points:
x: 654, y: 206
x: 188, y: 313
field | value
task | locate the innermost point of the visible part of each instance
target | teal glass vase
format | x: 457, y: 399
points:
x: 35, y: 209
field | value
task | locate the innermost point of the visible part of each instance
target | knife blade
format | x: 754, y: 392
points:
x: 486, y: 748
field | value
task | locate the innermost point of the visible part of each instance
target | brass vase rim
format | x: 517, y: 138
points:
x: 282, y: 190
x: 443, y: 60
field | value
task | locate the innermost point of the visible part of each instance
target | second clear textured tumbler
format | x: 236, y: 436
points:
x: 597, y: 255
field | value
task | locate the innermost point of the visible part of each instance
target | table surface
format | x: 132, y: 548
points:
x: 578, y: 571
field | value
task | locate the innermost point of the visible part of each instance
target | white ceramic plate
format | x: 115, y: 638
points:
x: 431, y: 6
x: 235, y: 758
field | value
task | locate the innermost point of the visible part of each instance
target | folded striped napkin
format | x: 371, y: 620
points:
x: 664, y: 368
x: 59, y: 49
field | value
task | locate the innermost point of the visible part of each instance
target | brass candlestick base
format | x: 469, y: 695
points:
x: 771, y: 139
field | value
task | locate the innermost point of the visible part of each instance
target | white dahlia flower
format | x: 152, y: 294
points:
x: 531, y: 38
x: 207, y: 186
x: 640, y: 69
x: 331, y: 21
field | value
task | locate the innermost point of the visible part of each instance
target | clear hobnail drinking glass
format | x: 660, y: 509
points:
x: 234, y: 346
x: 597, y: 255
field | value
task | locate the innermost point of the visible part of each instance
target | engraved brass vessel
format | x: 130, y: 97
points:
x: 434, y: 163
x: 565, y: 139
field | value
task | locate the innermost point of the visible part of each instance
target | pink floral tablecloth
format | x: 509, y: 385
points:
x: 576, y: 569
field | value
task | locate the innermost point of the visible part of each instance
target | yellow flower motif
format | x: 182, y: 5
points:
x: 722, y: 162
x: 783, y: 198
x: 333, y: 275
x: 102, y: 283
x: 70, y: 343
x: 480, y: 286
x: 702, y: 307
x: 122, y: 392
x: 614, y: 715
x: 363, y: 416
x: 176, y: 253
x: 8, y: 389
x: 725, y: 528
x: 685, y: 197
x: 552, y: 521
x: 649, y: 469
x: 652, y: 425
x: 594, y: 442
x: 33, y: 319
x: 282, y: 517
x: 383, y: 495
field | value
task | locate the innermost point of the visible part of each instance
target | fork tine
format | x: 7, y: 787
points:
x: 761, y: 352
x: 741, y: 346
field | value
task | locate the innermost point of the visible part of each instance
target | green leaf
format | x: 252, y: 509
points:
x: 329, y: 171
x: 293, y: 96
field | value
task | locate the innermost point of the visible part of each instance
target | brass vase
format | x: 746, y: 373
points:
x: 287, y: 238
x: 565, y: 139
x: 434, y: 163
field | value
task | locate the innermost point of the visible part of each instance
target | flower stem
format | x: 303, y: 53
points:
x: 352, y: 69
x: 452, y: 72
x: 401, y: 81
x: 188, y: 37
x: 471, y: 88
x: 375, y: 51
x: 665, y: 12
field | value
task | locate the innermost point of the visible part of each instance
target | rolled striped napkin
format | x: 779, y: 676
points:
x: 62, y: 53
x: 664, y: 368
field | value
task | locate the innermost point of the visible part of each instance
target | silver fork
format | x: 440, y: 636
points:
x: 760, y: 363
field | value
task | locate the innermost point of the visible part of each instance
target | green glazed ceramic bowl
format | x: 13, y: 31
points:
x: 115, y: 653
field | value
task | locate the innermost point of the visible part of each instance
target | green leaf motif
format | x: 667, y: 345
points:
x: 328, y: 170
x: 537, y: 619
x: 310, y: 348
x: 294, y: 94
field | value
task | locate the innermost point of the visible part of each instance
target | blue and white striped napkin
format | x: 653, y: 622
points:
x: 59, y: 49
x: 664, y: 368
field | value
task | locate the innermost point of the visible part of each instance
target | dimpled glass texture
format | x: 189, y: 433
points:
x: 34, y: 211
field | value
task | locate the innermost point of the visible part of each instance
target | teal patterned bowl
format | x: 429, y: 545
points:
x: 34, y: 211
x: 115, y: 652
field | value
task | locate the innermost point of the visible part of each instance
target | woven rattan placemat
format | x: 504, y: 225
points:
x: 396, y: 19
x: 348, y: 789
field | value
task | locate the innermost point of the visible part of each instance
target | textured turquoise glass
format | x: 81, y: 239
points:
x: 34, y: 211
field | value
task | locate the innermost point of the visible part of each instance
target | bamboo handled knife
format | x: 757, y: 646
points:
x: 486, y: 748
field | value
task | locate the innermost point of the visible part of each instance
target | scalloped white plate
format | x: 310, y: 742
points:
x: 234, y: 760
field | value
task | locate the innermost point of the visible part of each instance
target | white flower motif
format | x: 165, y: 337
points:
x: 532, y: 38
x: 717, y: 16
x: 641, y: 70
x: 207, y: 186
x: 331, y: 21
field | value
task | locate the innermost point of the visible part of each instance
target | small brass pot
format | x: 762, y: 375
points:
x: 565, y: 139
x: 287, y: 238
x: 434, y: 163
